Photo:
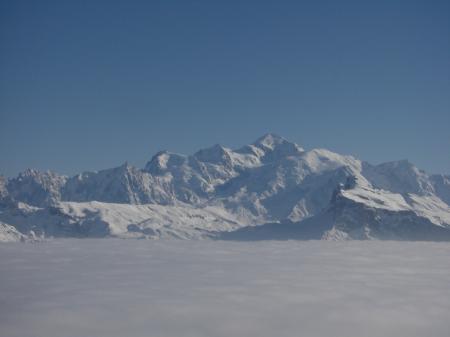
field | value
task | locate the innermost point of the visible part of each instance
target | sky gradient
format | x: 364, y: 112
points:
x: 86, y: 85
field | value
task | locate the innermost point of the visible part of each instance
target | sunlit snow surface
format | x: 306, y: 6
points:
x: 120, y: 288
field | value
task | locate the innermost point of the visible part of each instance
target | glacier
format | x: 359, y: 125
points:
x: 269, y: 189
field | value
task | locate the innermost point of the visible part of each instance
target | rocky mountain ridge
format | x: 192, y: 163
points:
x: 272, y: 186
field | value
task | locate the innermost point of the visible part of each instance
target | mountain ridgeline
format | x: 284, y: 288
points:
x: 270, y: 189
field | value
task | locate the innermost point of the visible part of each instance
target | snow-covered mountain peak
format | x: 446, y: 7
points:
x: 271, y: 147
x: 269, y: 141
x: 269, y: 181
x: 399, y: 176
x: 319, y: 160
x: 37, y: 175
x: 403, y: 165
x: 158, y: 162
x: 35, y: 187
x: 272, y: 142
x: 216, y: 154
x: 164, y: 160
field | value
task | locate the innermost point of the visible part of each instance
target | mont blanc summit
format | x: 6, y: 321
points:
x: 270, y: 189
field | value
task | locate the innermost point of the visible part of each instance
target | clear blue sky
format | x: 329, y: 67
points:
x: 86, y: 85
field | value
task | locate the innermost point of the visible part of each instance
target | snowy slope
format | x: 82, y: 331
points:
x: 362, y: 213
x: 96, y: 219
x: 271, y: 181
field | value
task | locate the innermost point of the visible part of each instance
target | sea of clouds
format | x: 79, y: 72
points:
x: 111, y: 287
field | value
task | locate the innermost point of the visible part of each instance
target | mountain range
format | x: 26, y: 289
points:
x: 270, y: 189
